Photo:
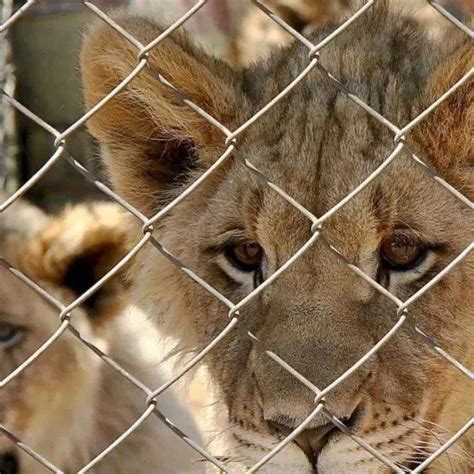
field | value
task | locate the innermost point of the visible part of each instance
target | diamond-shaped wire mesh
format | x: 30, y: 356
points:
x: 65, y: 322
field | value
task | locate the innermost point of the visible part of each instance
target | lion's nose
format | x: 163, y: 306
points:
x: 285, y: 423
x: 9, y: 464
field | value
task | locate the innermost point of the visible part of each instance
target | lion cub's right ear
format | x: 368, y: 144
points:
x: 149, y: 136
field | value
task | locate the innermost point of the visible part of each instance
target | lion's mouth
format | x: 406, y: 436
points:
x: 311, y: 441
x: 9, y: 464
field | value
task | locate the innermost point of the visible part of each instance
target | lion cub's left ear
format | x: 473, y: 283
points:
x: 77, y: 248
x: 445, y: 138
x: 151, y: 139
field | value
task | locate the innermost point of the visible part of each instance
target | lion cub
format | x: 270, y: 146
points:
x: 235, y: 231
x: 68, y: 405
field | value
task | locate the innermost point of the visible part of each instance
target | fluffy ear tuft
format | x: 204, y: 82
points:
x: 77, y: 248
x: 20, y: 220
x: 446, y: 136
x: 149, y: 136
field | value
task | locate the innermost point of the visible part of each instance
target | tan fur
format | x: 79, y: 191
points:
x: 69, y: 405
x: 129, y: 128
x: 440, y: 134
x: 318, y: 316
x: 257, y: 34
x: 95, y: 233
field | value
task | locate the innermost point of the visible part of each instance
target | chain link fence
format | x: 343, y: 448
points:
x: 231, y: 140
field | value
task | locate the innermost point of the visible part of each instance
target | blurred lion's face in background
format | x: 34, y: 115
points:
x: 41, y: 404
x: 58, y: 394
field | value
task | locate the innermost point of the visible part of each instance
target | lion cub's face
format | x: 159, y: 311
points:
x: 49, y: 393
x: 235, y: 231
x: 41, y: 404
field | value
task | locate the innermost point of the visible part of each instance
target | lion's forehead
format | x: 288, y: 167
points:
x: 404, y: 195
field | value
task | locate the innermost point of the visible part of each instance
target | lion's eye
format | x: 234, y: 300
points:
x: 402, y: 251
x: 9, y: 335
x: 246, y: 256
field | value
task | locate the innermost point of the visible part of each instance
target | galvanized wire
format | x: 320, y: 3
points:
x: 230, y: 139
